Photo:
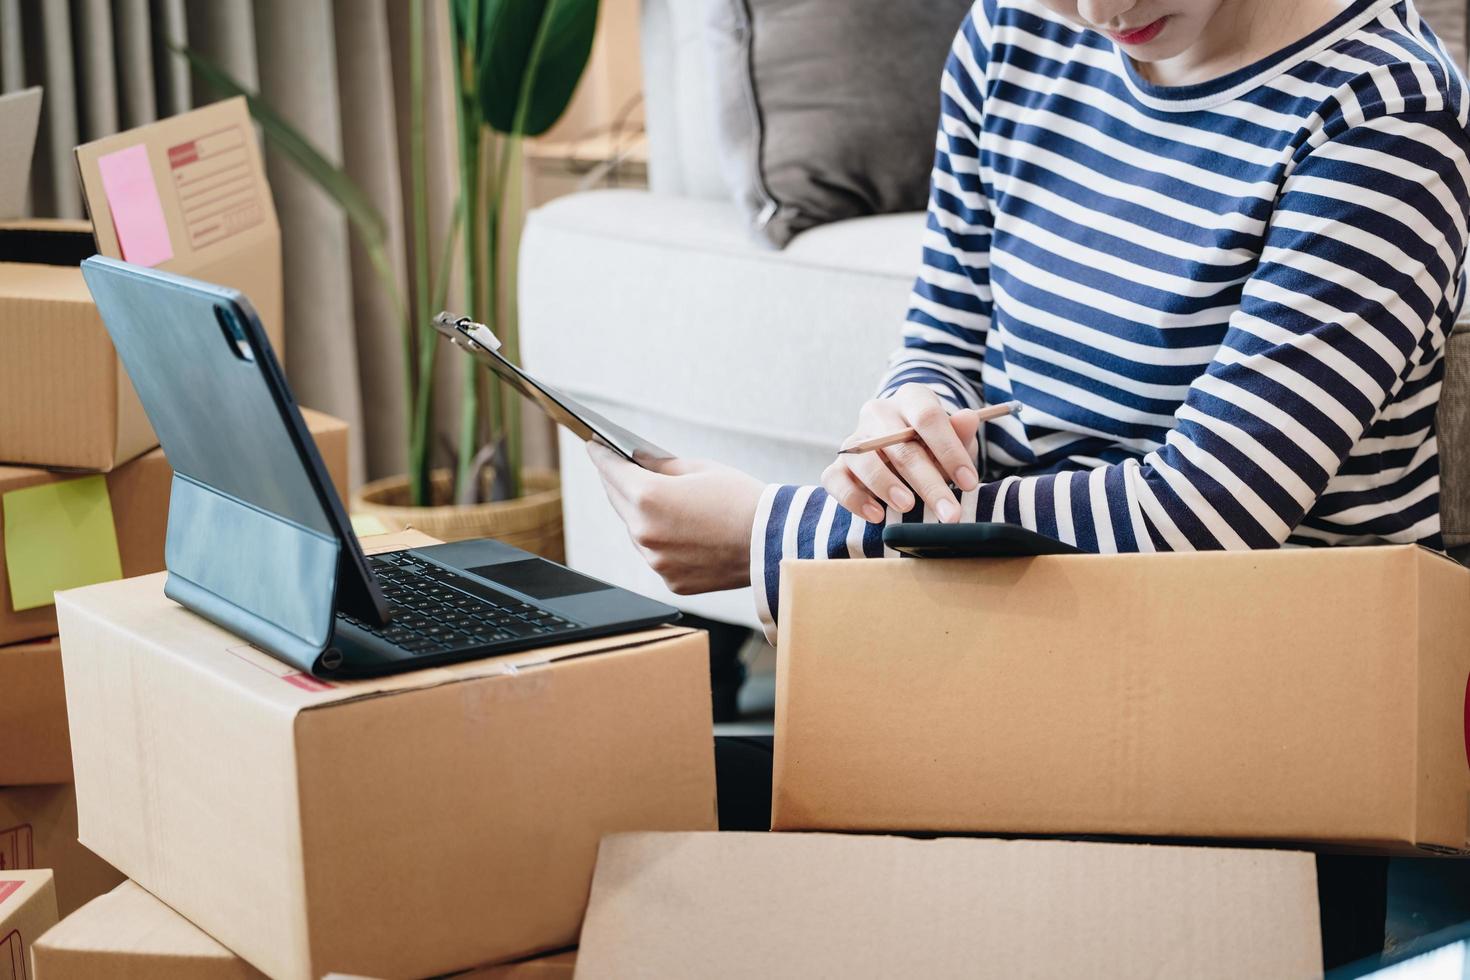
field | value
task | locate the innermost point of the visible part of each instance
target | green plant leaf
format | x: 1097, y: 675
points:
x: 530, y: 56
x: 293, y: 144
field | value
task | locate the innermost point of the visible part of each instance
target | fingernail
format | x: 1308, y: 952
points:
x: 949, y: 511
x: 966, y: 478
x: 874, y: 514
x: 902, y: 499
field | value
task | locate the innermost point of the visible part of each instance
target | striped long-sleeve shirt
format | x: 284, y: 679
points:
x: 1223, y: 307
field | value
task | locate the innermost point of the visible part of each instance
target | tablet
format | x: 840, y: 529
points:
x: 477, y: 340
x: 983, y: 540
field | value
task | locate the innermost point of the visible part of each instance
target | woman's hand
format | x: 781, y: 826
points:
x: 692, y: 520
x: 944, y: 452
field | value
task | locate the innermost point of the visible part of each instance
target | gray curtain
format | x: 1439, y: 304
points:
x: 338, y: 70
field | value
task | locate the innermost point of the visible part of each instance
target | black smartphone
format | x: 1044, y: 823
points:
x: 972, y: 541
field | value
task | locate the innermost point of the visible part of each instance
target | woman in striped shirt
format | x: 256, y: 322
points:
x: 1212, y: 247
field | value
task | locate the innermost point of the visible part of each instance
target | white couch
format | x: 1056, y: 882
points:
x: 661, y: 311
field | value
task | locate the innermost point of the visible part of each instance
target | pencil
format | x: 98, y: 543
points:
x: 987, y: 414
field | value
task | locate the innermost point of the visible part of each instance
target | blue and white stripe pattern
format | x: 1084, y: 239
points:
x: 1223, y: 307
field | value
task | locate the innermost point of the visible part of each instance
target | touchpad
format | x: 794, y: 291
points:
x: 538, y: 578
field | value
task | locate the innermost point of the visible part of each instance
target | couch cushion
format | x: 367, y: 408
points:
x: 665, y: 304
x: 827, y: 108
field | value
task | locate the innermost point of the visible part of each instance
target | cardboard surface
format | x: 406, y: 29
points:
x: 129, y: 933
x: 138, y: 493
x: 38, y: 829
x: 34, y: 745
x: 27, y: 909
x: 65, y: 400
x: 188, y: 194
x: 465, y: 800
x: 803, y: 905
x: 1307, y: 696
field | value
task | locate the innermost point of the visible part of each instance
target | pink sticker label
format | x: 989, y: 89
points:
x: 306, y: 682
x: 8, y: 888
x: 137, y: 213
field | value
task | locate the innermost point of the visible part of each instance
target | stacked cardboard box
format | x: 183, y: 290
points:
x: 129, y: 933
x: 404, y: 826
x: 27, y: 910
x: 84, y: 489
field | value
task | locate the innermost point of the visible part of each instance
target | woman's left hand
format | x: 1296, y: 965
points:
x: 691, y: 520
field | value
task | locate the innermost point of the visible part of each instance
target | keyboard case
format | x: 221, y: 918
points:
x: 258, y: 541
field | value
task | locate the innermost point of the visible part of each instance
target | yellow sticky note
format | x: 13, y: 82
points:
x: 365, y: 525
x: 58, y: 536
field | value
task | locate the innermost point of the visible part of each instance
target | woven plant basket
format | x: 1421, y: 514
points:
x: 531, y: 521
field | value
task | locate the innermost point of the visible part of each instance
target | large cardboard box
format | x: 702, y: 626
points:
x: 38, y: 829
x: 129, y: 933
x: 1316, y: 696
x: 806, y: 905
x: 399, y: 827
x: 46, y: 544
x: 34, y: 745
x: 65, y: 399
x: 190, y: 194
x: 27, y: 909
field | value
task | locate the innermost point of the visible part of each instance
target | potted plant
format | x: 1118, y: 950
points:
x: 516, y: 66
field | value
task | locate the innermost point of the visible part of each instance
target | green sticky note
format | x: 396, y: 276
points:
x: 58, y: 536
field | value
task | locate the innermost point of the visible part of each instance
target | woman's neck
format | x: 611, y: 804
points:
x: 1241, y: 33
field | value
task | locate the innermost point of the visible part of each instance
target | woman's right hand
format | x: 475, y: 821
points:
x: 944, y: 452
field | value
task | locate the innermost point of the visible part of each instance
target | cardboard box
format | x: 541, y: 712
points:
x: 38, y: 829
x: 65, y: 400
x: 803, y: 905
x: 399, y: 827
x: 136, y: 495
x: 189, y: 194
x: 1315, y: 696
x: 129, y: 933
x: 27, y: 909
x: 34, y: 745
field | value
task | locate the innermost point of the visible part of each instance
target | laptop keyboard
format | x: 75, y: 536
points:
x: 438, y: 611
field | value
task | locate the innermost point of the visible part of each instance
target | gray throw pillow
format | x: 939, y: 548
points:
x: 827, y: 108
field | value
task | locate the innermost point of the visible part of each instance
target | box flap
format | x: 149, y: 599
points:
x: 129, y: 931
x: 691, y: 904
x: 138, y: 607
x: 20, y: 115
x: 189, y: 194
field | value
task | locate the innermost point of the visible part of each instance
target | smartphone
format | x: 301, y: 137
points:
x: 476, y: 340
x: 986, y: 540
